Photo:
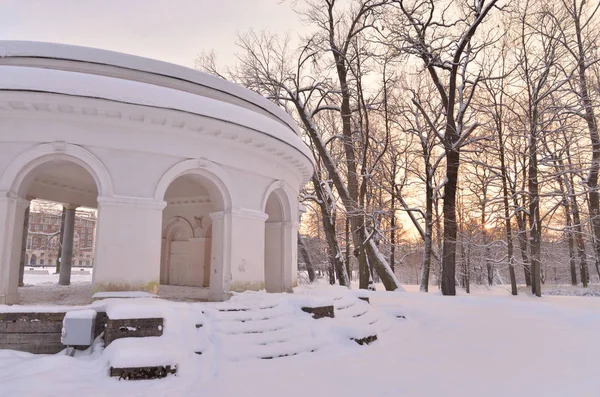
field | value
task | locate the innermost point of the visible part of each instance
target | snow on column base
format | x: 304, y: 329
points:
x: 151, y: 287
x: 241, y: 286
x: 218, y: 296
x: 9, y: 299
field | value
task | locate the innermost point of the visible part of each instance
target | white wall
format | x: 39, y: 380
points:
x: 186, y: 261
x: 129, y: 150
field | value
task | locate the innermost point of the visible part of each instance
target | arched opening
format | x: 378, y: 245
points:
x: 188, y: 247
x: 58, y: 218
x: 275, y: 243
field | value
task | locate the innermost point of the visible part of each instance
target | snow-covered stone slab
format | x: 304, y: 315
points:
x: 133, y: 318
x: 140, y: 373
x: 31, y: 332
x: 312, y: 301
x: 320, y: 311
x: 143, y: 358
x: 125, y: 309
x: 361, y: 294
x: 132, y: 328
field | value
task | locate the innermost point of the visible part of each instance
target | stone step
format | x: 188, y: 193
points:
x: 236, y: 327
x: 286, y: 348
x: 139, y: 373
x: 132, y: 328
x: 263, y: 338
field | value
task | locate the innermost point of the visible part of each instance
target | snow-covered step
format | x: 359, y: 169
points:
x: 358, y: 309
x: 141, y: 358
x: 236, y: 327
x: 263, y: 338
x: 249, y: 315
x: 245, y: 351
x: 346, y: 302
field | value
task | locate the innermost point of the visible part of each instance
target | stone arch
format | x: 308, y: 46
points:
x: 175, y: 228
x: 207, y: 169
x: 175, y: 223
x: 199, y: 256
x: 22, y: 165
x: 283, y: 192
x: 14, y: 182
x: 277, y: 204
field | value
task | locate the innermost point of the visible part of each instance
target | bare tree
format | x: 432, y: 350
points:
x: 442, y: 37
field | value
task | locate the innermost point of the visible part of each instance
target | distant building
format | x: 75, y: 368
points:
x: 43, y: 239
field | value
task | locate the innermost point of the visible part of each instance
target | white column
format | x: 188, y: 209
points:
x: 220, y: 256
x: 274, y: 257
x: 128, y: 244
x: 290, y: 255
x: 66, y: 252
x: 247, y: 250
x: 12, y: 214
x: 237, y: 252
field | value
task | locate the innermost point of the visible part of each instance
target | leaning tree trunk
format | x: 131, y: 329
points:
x: 336, y: 259
x: 354, y: 214
x: 310, y: 269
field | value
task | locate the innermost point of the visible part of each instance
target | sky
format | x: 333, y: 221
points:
x: 170, y: 30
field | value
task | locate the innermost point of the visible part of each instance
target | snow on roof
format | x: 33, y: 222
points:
x: 21, y: 78
x: 34, y: 49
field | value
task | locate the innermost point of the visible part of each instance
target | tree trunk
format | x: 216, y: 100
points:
x: 336, y: 259
x: 450, y: 226
x: 307, y: 259
x: 427, y: 253
x: 347, y: 237
x: 60, y: 239
x: 507, y: 211
x: 24, y: 247
x: 590, y: 119
x: 535, y: 227
x: 428, y: 236
x: 393, y: 234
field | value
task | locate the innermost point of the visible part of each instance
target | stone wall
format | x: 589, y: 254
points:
x: 38, y: 333
x: 31, y: 332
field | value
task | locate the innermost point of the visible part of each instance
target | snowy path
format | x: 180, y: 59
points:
x: 454, y: 346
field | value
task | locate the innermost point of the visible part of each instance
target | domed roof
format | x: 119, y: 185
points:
x: 94, y: 73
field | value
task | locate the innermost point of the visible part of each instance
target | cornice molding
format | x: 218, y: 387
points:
x: 171, y: 119
x: 139, y: 202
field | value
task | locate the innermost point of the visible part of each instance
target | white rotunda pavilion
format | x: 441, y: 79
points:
x: 195, y: 179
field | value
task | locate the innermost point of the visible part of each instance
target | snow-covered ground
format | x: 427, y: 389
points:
x: 43, y: 289
x: 485, y: 344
